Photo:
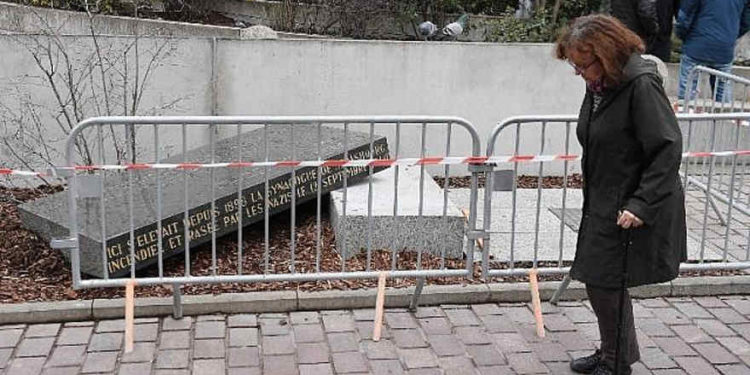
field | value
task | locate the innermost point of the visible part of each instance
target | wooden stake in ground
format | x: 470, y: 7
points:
x: 480, y: 241
x: 379, y: 302
x: 129, y: 314
x: 536, y: 302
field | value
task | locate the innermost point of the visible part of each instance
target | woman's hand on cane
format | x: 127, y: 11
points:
x: 627, y: 219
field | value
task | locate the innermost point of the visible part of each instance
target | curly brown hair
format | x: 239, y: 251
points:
x: 606, y: 38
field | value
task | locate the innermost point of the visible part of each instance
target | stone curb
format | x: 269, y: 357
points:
x: 285, y: 301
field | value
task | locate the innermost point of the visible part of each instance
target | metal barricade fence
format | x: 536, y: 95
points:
x: 546, y: 229
x: 712, y: 91
x: 164, y: 188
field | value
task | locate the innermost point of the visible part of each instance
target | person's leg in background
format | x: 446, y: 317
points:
x: 723, y: 89
x: 605, y: 303
x: 686, y: 67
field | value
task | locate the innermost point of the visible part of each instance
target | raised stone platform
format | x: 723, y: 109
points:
x: 434, y: 232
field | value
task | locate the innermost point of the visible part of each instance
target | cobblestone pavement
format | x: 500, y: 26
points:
x: 702, y: 335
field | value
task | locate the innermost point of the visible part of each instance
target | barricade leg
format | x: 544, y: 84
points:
x: 560, y: 290
x: 417, y: 292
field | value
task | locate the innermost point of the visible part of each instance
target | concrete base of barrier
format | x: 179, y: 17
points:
x: 286, y: 301
x: 433, y: 232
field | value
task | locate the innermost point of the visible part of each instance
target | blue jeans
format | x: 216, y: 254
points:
x: 723, y: 89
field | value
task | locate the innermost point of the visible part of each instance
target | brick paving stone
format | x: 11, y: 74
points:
x: 696, y: 366
x: 338, y: 323
x: 171, y: 324
x: 304, y: 317
x: 100, y: 362
x: 26, y: 366
x: 115, y: 325
x: 653, y: 302
x: 135, y: 369
x: 551, y: 351
x: 316, y: 369
x: 243, y: 337
x: 510, y: 342
x: 175, y: 340
x: 5, y: 357
x: 365, y: 330
x: 383, y: 349
x: 365, y: 315
x: 211, y: 318
x: 498, y: 323
x: 671, y: 371
x: 171, y: 372
x: 400, y: 320
x: 446, y: 345
x: 572, y: 340
x: 208, y: 366
x: 579, y: 314
x: 273, y: 345
x: 172, y: 359
x: 728, y: 316
x: 310, y: 353
x: 715, y: 353
x: 61, y: 371
x: 558, y: 322
x: 693, y: 310
x: 670, y: 316
x: 244, y: 357
x: 14, y: 326
x: 742, y: 329
x: 737, y: 345
x: 42, y: 330
x: 145, y: 332
x: 102, y: 342
x: 473, y: 335
x: 308, y: 333
x: 654, y: 327
x: 589, y: 330
x: 418, y: 358
x: 644, y: 341
x: 735, y: 369
x: 242, y: 320
x: 674, y: 346
x: 67, y: 356
x: 35, y: 347
x: 274, y: 327
x: 715, y: 328
x: 485, y: 355
x: 426, y: 371
x: 142, y: 352
x: 486, y: 309
x: 518, y: 314
x: 640, y: 311
x: 709, y: 301
x: 561, y: 368
x: 208, y: 348
x: 343, y: 342
x: 435, y: 326
x: 639, y: 369
x: 462, y: 317
x: 456, y: 365
x: 348, y: 362
x: 74, y: 335
x: 408, y: 338
x: 692, y: 334
x: 342, y: 312
x: 455, y: 306
x: 528, y: 331
x: 741, y: 305
x: 210, y: 329
x: 655, y: 358
x: 526, y: 363
x: 429, y: 312
x: 387, y: 367
x: 496, y: 370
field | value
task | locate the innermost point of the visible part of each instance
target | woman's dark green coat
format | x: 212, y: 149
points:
x: 632, y: 149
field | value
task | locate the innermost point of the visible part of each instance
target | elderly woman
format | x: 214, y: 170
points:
x: 632, y: 193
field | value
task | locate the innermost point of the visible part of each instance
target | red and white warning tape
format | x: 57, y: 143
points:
x: 472, y: 160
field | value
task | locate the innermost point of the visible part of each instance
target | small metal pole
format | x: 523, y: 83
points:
x: 417, y: 292
x: 560, y: 290
x: 177, y: 301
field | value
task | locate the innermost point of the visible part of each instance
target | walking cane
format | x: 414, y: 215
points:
x: 623, y: 286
